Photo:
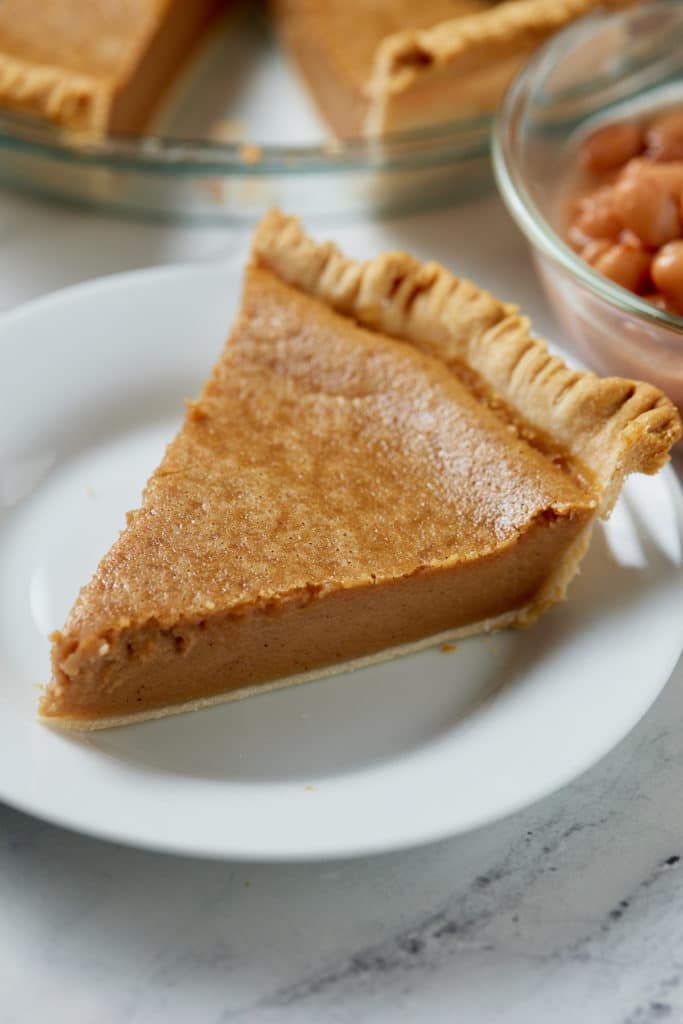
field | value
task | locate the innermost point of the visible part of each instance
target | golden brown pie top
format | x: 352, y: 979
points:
x: 611, y: 425
x: 89, y: 38
x: 322, y: 452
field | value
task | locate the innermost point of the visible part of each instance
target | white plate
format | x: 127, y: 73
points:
x: 91, y: 387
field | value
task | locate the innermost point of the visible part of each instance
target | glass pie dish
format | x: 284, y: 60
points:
x: 219, y: 151
x: 606, y: 68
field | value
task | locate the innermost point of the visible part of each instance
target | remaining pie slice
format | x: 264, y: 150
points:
x: 382, y: 455
x: 372, y: 66
x: 391, y: 65
x: 96, y: 65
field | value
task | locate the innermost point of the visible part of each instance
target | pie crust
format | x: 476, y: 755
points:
x: 384, y: 457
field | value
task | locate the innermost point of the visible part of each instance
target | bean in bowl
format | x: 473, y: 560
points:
x: 625, y: 218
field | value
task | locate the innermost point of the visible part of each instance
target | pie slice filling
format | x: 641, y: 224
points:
x: 382, y: 457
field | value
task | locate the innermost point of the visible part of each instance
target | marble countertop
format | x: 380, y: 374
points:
x: 571, y: 911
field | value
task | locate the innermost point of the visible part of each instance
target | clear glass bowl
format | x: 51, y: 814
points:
x: 219, y: 151
x: 603, y: 68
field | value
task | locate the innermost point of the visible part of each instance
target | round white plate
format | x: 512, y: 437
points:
x: 91, y: 388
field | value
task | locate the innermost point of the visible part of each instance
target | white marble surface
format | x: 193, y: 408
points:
x: 569, y: 912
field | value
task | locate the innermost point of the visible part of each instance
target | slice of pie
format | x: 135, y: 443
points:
x: 383, y: 457
x: 95, y: 65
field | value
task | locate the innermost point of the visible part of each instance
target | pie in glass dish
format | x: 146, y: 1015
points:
x: 373, y: 66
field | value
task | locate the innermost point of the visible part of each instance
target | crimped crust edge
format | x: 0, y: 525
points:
x: 611, y: 425
x: 51, y: 92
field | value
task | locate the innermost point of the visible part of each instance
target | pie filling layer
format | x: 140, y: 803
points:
x: 307, y: 631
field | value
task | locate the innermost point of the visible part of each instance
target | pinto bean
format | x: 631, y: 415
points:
x: 667, y: 272
x: 627, y: 265
x: 668, y: 175
x: 596, y: 215
x: 595, y: 249
x: 608, y: 147
x: 664, y: 137
x: 646, y: 209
